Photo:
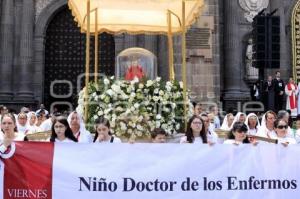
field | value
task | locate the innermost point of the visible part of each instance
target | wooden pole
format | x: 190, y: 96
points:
x: 87, y: 62
x: 96, y: 46
x: 170, y: 44
x: 183, y: 52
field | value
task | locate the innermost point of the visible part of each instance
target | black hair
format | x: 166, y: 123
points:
x: 239, y: 127
x: 158, y: 131
x: 189, y: 133
x: 68, y: 133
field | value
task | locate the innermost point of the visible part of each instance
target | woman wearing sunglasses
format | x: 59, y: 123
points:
x: 281, y: 129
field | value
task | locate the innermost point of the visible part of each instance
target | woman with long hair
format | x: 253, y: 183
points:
x: 61, y: 131
x: 195, y: 131
x: 103, y: 133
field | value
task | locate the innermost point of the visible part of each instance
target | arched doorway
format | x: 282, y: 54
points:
x: 296, y: 41
x: 65, y: 60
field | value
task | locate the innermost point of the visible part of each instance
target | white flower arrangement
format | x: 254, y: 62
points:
x: 134, y: 108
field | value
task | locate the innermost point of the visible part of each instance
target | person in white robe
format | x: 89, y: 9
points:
x: 267, y: 125
x: 252, y: 123
x: 239, y: 117
x: 227, y: 122
x: 22, y: 124
x: 281, y: 127
x: 31, y: 123
x: 77, y: 125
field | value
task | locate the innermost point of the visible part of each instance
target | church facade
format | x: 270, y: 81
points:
x: 42, y: 52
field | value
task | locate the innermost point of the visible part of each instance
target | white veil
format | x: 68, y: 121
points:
x: 257, y: 120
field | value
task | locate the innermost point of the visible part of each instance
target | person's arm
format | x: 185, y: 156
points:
x: 5, y: 145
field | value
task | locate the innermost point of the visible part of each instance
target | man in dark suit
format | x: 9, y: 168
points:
x: 279, y: 91
x: 269, y: 94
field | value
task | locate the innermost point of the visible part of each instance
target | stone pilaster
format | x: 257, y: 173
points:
x: 235, y: 89
x: 25, y: 90
x: 6, y: 49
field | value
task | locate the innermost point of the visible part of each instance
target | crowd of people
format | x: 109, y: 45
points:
x: 202, y: 127
x: 273, y: 92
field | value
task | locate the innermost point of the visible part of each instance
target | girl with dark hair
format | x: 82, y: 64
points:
x: 102, y: 132
x: 238, y: 134
x: 195, y: 131
x: 61, y: 131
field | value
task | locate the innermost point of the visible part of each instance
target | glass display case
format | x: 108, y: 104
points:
x: 136, y: 62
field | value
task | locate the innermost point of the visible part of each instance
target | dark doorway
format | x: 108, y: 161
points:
x: 65, y: 60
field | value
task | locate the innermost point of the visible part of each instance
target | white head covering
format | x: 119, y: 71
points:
x: 29, y: 116
x: 32, y: 128
x: 22, y: 129
x: 85, y: 135
x: 237, y: 118
x: 263, y: 121
x: 224, y: 125
x: 251, y: 115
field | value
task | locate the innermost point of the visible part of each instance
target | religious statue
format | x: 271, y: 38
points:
x: 252, y: 73
x: 136, y: 62
x: 253, y: 7
x: 249, y: 53
x: 134, y: 70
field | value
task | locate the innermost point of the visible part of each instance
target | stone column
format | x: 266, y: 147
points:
x: 235, y: 89
x: 25, y: 71
x: 6, y: 49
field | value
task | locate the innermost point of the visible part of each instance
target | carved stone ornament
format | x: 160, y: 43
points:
x: 40, y: 5
x: 252, y: 7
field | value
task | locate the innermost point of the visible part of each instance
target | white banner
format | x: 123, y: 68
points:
x: 173, y: 171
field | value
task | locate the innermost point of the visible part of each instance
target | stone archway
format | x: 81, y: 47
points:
x: 64, y: 59
x: 39, y: 44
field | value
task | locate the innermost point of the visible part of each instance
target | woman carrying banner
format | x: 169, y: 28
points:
x: 8, y: 131
x: 103, y: 133
x: 195, y: 131
x: 281, y: 129
x: 238, y: 134
x: 61, y: 131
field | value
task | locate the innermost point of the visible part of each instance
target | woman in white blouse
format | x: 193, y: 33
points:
x: 281, y: 129
x: 195, y: 131
x: 61, y: 131
x: 103, y: 133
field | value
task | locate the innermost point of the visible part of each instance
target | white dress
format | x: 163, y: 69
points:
x: 232, y: 141
x: 264, y: 132
x: 196, y: 140
x: 116, y: 140
x: 66, y: 140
